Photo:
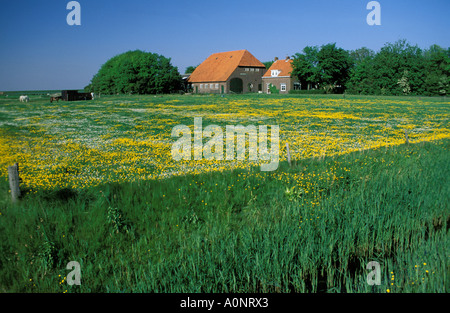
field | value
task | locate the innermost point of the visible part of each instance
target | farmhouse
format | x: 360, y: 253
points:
x: 228, y: 72
x: 279, y: 76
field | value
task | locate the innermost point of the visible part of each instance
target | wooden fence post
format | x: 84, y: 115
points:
x: 288, y: 154
x: 13, y: 173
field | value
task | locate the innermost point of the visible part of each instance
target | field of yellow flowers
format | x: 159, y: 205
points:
x: 117, y: 139
x: 100, y: 188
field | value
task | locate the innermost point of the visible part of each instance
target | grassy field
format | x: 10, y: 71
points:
x: 101, y: 188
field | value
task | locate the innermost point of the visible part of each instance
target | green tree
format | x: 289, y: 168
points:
x: 325, y: 67
x: 397, y: 69
x: 358, y: 56
x: 361, y: 78
x: 361, y: 71
x: 391, y: 63
x: 437, y: 71
x: 306, y: 67
x: 268, y: 64
x: 334, y: 64
x: 190, y: 69
x: 136, y: 72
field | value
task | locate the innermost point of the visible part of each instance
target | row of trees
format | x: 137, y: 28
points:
x: 397, y: 69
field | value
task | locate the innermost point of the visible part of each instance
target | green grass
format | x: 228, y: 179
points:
x: 312, y: 230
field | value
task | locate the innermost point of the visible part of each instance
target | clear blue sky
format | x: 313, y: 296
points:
x: 39, y: 51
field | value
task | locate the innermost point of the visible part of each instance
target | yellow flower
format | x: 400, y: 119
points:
x: 388, y: 290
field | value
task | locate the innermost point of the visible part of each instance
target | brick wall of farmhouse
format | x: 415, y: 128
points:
x: 277, y: 81
x: 251, y: 81
x: 209, y: 87
x: 251, y: 78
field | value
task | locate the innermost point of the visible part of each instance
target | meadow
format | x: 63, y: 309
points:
x: 100, y: 188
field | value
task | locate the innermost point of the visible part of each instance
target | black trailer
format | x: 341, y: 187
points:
x: 74, y: 95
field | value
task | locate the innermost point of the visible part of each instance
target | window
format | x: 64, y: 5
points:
x: 252, y: 69
x: 201, y: 86
x: 217, y: 86
x: 275, y: 73
x: 247, y: 69
x: 283, y: 87
x: 206, y: 86
x: 257, y: 70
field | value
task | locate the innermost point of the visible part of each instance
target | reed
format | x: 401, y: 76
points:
x: 239, y: 231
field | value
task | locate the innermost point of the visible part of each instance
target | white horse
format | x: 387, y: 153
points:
x: 24, y: 99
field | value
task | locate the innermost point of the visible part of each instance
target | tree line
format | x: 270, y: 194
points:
x: 397, y: 69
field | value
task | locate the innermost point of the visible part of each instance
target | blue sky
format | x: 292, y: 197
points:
x: 40, y: 51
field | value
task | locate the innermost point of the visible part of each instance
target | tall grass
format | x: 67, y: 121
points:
x: 313, y: 229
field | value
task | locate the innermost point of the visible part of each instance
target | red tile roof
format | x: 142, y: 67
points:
x: 284, y: 66
x: 219, y: 66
